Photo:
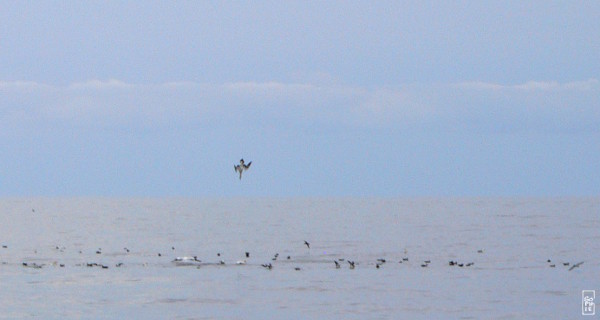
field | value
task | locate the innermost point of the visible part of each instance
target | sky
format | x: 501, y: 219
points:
x: 326, y: 98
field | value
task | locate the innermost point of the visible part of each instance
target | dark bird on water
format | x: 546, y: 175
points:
x: 241, y: 167
x: 307, y: 244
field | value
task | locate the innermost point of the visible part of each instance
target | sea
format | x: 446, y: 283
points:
x: 246, y: 258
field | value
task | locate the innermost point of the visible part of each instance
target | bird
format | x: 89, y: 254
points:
x: 183, y: 259
x: 575, y: 265
x: 307, y: 244
x: 186, y: 261
x: 337, y: 264
x: 241, y: 167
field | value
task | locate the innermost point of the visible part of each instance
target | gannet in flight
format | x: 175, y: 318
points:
x: 241, y: 167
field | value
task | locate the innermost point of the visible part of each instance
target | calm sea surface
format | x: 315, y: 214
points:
x: 65, y: 242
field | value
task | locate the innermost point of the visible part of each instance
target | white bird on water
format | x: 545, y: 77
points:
x: 241, y: 167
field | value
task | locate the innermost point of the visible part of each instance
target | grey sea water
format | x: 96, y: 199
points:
x: 65, y: 242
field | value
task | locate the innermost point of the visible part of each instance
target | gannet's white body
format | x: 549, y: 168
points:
x: 241, y: 167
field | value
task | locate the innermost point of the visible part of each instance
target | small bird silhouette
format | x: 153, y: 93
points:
x: 575, y: 265
x: 307, y: 244
x: 241, y: 167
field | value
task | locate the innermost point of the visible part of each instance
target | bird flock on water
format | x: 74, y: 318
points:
x: 245, y: 259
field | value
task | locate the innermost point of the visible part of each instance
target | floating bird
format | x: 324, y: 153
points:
x: 247, y: 254
x: 241, y: 167
x: 33, y: 265
x: 179, y: 259
x: 575, y: 265
x: 351, y: 264
x: 337, y: 264
x: 267, y: 266
x: 240, y: 262
x: 186, y: 261
x: 307, y: 244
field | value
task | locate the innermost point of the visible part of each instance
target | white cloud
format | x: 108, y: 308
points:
x: 23, y: 85
x: 100, y: 85
x: 589, y: 84
x: 441, y: 106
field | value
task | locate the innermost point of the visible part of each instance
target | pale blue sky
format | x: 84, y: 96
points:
x: 400, y: 98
